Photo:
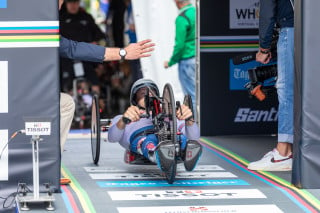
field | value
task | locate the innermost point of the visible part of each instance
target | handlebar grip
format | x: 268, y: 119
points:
x: 126, y: 120
x: 188, y: 102
x: 178, y: 106
x: 144, y: 116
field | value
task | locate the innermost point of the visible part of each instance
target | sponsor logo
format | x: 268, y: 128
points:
x: 186, y: 194
x: 239, y: 74
x: 3, y: 86
x: 149, y: 168
x: 250, y: 115
x: 158, y: 175
x: 211, y: 209
x: 38, y: 128
x: 3, y: 3
x: 281, y: 160
x: 244, y: 14
x: 160, y: 183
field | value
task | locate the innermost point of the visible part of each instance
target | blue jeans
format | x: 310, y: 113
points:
x: 284, y: 84
x: 187, y: 77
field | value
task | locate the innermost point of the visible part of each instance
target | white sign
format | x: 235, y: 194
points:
x: 148, y: 168
x: 3, y: 87
x: 244, y: 14
x: 78, y: 69
x: 4, y: 156
x: 186, y: 194
x: 146, y: 12
x: 207, y: 209
x: 38, y: 128
x: 158, y: 175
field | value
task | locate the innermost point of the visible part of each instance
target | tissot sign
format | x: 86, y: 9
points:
x: 186, y: 194
x: 38, y: 128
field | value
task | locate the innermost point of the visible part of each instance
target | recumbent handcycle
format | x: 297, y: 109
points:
x: 163, y: 113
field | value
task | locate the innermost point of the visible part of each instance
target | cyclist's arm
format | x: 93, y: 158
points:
x: 115, y: 134
x: 192, y: 132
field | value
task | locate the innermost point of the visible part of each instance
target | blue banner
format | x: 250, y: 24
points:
x: 239, y: 74
x: 152, y: 183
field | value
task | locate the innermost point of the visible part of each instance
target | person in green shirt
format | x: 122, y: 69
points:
x: 184, y: 49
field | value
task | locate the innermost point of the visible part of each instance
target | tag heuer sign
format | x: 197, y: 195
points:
x: 38, y: 128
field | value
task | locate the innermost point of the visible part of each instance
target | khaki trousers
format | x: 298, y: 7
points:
x: 67, y: 108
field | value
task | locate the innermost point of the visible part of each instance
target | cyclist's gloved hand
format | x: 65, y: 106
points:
x: 132, y: 114
x: 183, y: 112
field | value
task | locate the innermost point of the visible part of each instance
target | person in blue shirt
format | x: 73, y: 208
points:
x: 281, y: 13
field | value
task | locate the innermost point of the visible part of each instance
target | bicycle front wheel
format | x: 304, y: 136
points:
x: 170, y: 124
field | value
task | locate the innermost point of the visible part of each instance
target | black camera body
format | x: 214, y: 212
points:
x: 258, y: 75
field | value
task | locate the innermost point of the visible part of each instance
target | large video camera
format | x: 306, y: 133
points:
x: 258, y: 75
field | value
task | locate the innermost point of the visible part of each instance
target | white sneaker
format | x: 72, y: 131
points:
x: 272, y: 161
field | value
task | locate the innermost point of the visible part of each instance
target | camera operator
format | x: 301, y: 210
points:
x: 279, y: 12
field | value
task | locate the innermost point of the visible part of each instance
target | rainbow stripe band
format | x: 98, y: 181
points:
x: 82, y: 195
x: 229, y: 43
x: 302, y: 198
x: 29, y: 34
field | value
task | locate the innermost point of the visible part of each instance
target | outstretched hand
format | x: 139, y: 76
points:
x: 139, y: 50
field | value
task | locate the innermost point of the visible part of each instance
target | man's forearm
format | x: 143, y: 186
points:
x: 81, y: 51
x: 90, y: 52
x: 112, y: 54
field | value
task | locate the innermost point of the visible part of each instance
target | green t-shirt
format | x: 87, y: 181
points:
x: 185, y: 43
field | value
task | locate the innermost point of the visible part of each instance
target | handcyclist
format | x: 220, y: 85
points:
x: 137, y: 136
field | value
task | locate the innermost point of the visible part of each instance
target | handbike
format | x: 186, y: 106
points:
x: 163, y: 113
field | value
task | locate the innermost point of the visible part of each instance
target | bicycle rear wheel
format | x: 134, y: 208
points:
x: 170, y: 125
x: 95, y: 129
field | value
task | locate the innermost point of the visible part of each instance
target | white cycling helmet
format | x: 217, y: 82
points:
x: 140, y: 84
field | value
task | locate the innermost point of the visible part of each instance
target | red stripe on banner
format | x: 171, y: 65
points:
x: 71, y: 199
x: 29, y: 31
